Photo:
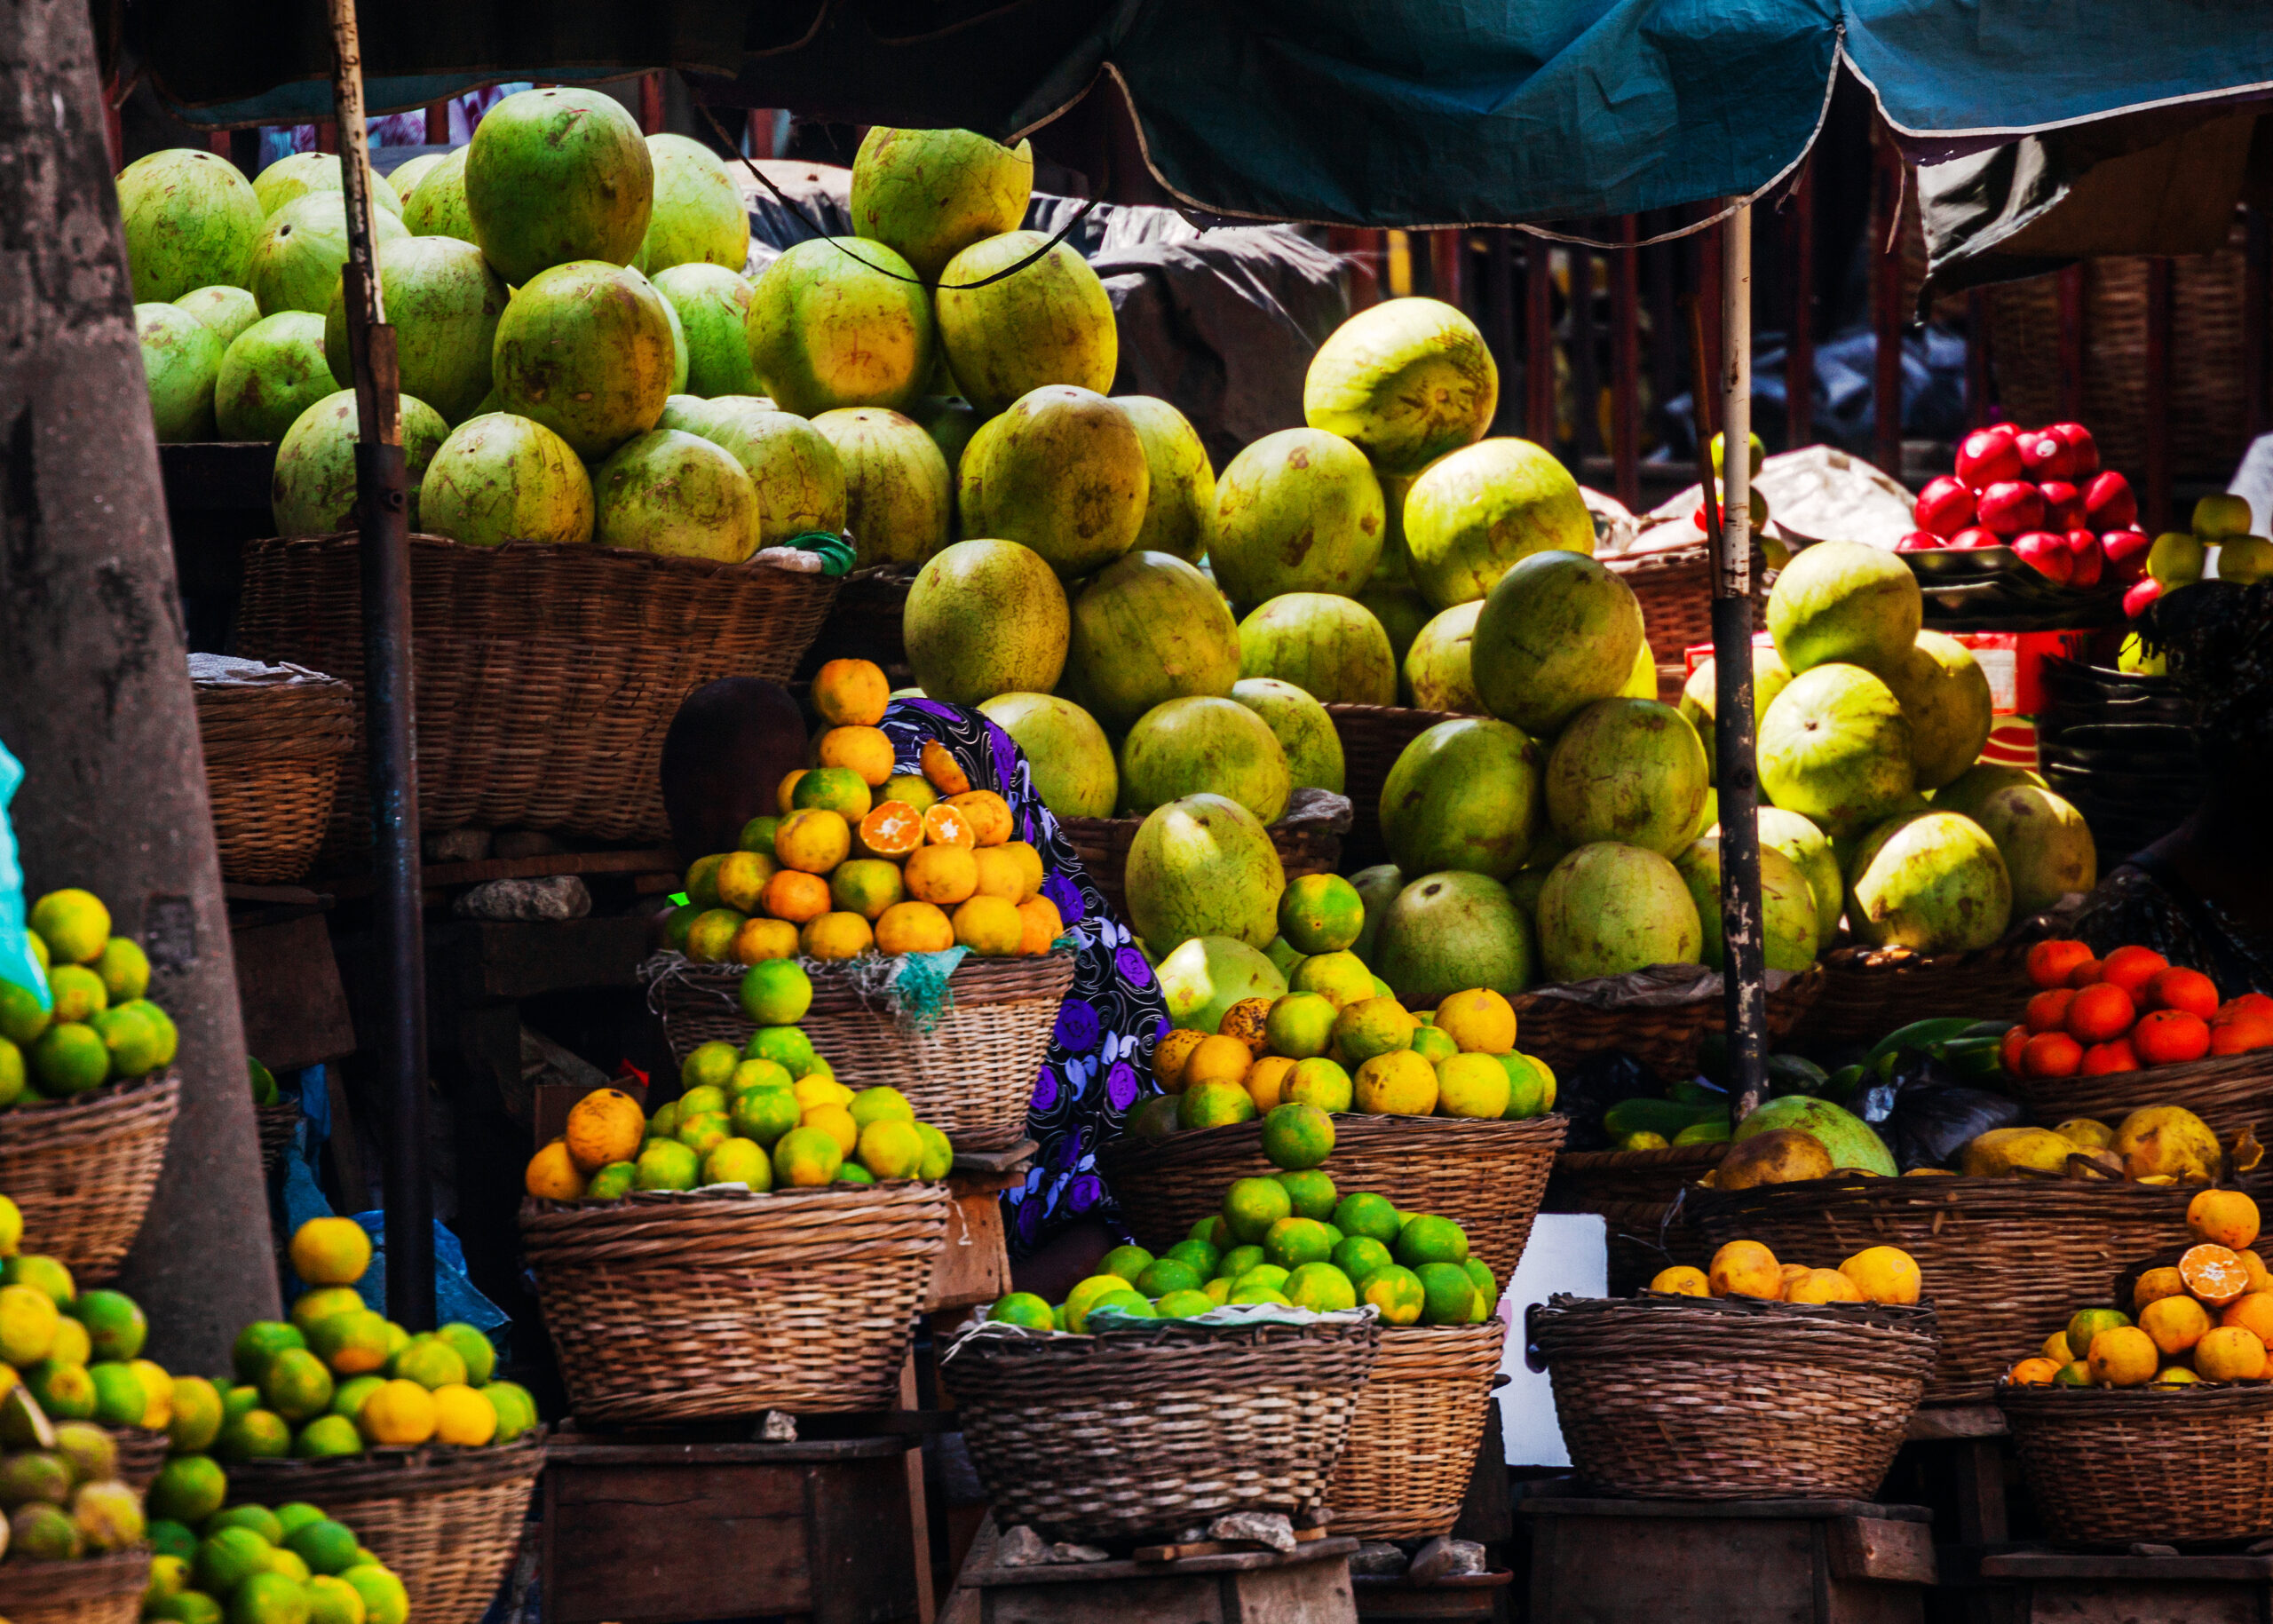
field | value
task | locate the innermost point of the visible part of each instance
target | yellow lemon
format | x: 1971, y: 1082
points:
x: 836, y: 1123
x: 330, y: 1251
x: 812, y: 841
x: 1398, y: 1083
x: 463, y: 1416
x: 1472, y: 1085
x: 1479, y: 1020
x: 819, y: 1088
x: 399, y: 1412
x: 553, y: 1175
x: 890, y: 1148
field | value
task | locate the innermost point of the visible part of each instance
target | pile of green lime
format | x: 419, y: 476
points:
x: 250, y: 1565
x: 99, y: 1027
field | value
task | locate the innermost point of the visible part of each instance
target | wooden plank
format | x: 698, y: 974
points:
x: 1547, y: 1506
x: 1007, y: 1162
x: 974, y: 1266
x: 653, y: 860
x: 919, y: 1510
x: 618, y: 1543
x: 290, y: 992
x: 1333, y: 1547
x: 1309, y: 1593
x: 1677, y: 1570
x: 1133, y: 1601
x: 2100, y: 1601
x: 2170, y: 1570
x: 1212, y: 1547
x: 582, y: 1449
x: 473, y: 961
x: 1959, y: 1420
x: 1874, y: 1548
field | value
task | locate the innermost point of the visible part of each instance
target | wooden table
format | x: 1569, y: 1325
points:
x: 2088, y: 1588
x: 1310, y: 1585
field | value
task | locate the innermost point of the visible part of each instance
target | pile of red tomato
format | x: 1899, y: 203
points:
x: 2132, y: 1010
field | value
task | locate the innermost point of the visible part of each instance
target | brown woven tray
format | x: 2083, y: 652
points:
x: 1675, y: 585
x: 83, y: 1170
x: 1150, y: 1432
x: 1486, y: 1177
x: 1420, y: 1421
x: 2110, y: 1466
x: 1373, y: 737
x: 688, y: 1307
x: 1729, y: 1398
x: 866, y: 623
x: 545, y: 675
x: 1869, y: 992
x: 141, y: 1452
x: 1636, y: 1191
x: 971, y: 1077
x: 97, y: 1590
x: 1102, y: 843
x: 2006, y: 1261
x: 2231, y: 1093
x: 1667, y: 1037
x: 273, y: 751
x: 446, y: 1521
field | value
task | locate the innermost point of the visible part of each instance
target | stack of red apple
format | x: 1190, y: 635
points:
x: 2132, y: 1010
x: 2042, y: 493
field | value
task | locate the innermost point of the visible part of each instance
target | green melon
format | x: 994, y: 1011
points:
x: 1932, y: 882
x: 274, y: 370
x: 404, y: 178
x: 585, y: 349
x: 794, y: 468
x: 1852, y: 1142
x: 444, y: 303
x: 298, y: 174
x: 1607, y: 910
x: 1628, y: 770
x: 1188, y: 746
x: 929, y: 194
x: 697, y: 217
x: 2046, y: 845
x: 1844, y: 602
x: 228, y: 310
x: 1204, y: 976
x: 1466, y: 795
x: 1700, y: 697
x: 555, y: 176
x: 898, y: 495
x: 677, y: 495
x: 1438, y: 675
x: 985, y: 617
x: 1203, y: 865
x: 1404, y: 613
x: 1304, y: 731
x: 500, y: 478
x: 181, y: 361
x: 1050, y: 322
x: 1329, y: 646
x: 1067, y: 754
x: 1835, y: 749
x: 190, y: 220
x: 1296, y: 512
x: 1148, y: 627
x: 302, y: 250
x: 1556, y: 633
x: 438, y: 207
x: 1180, y: 501
x: 1061, y: 472
x: 712, y: 304
x: 832, y: 323
x: 1969, y: 793
x: 1407, y: 380
x: 1945, y: 697
x: 1447, y: 932
x: 1471, y: 514
x: 313, y: 491
x: 1787, y: 903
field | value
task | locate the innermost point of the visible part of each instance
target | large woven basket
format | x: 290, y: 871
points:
x: 2110, y: 1466
x: 98, y: 1590
x: 1869, y: 992
x: 1731, y: 1398
x: 545, y: 675
x: 971, y: 1076
x: 2231, y: 1093
x: 1637, y: 1194
x: 1564, y: 1025
x: 141, y: 1452
x: 83, y: 1170
x: 1373, y: 737
x: 2005, y: 1261
x: 1675, y: 585
x: 1102, y: 843
x: 1486, y: 1177
x: 865, y: 622
x: 446, y: 1521
x: 1413, y: 1446
x: 1134, y: 1432
x: 273, y: 745
x: 695, y: 1307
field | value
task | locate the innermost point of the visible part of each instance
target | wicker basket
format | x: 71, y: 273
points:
x: 865, y: 622
x: 1102, y: 843
x: 2005, y: 1261
x: 1373, y: 737
x: 545, y: 675
x: 1420, y: 1422
x: 1729, y: 1398
x: 1136, y: 1433
x: 83, y: 1170
x: 688, y: 1307
x: 1638, y: 1194
x: 2107, y: 1466
x: 277, y: 1124
x: 2231, y: 1093
x: 1486, y: 1177
x: 98, y: 1591
x: 1564, y: 1025
x: 446, y: 1521
x: 141, y: 1452
x: 1869, y: 992
x: 1675, y: 585
x: 971, y: 1077
x: 272, y: 747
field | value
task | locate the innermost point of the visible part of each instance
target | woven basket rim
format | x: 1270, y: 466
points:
x: 630, y: 558
x: 387, y: 1471
x: 642, y: 1208
x: 976, y: 982
x: 2218, y: 1068
x: 1352, y: 1130
x: 1121, y: 1348
x: 1671, y: 1156
x: 1870, y: 1338
x: 111, y: 1099
x: 2044, y: 1197
x: 1706, y: 998
x: 1860, y: 959
x: 47, y: 1584
x: 2130, y: 1404
x: 1361, y: 713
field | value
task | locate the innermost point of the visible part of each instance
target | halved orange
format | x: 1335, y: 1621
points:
x: 2214, y: 1275
x: 945, y: 825
x: 890, y: 830
x: 945, y: 772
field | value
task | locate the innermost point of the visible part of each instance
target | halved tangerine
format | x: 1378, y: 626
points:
x: 891, y: 830
x: 2214, y: 1275
x: 945, y: 772
x: 945, y: 825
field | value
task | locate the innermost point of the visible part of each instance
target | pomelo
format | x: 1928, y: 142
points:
x: 1970, y: 791
x: 404, y: 178
x: 1067, y: 754
x: 1376, y: 887
x: 1402, y: 612
x: 794, y: 468
x: 1556, y: 632
x: 1945, y: 697
x: 1628, y: 770
x: 296, y: 261
x: 930, y: 193
x: 1447, y: 932
x: 1931, y: 882
x: 438, y: 207
x: 1642, y: 682
x: 1407, y: 380
x: 1296, y: 512
x: 1471, y: 514
x: 313, y: 491
x: 556, y: 176
x: 832, y: 324
x: 190, y: 220
x: 297, y: 174
x: 1438, y: 674
x: 713, y: 307
x: 1329, y: 646
x: 677, y: 495
x: 985, y: 617
x: 950, y: 421
x: 1466, y: 795
x: 1834, y: 747
x: 1062, y: 471
x: 1180, y: 501
x: 274, y: 370
x: 1304, y: 731
x: 1396, y: 565
x: 1851, y: 1142
x: 691, y: 414
x: 679, y: 362
x: 2046, y: 843
x: 181, y: 361
x: 1050, y: 322
x: 1844, y: 601
x: 1146, y: 628
x: 1607, y: 909
x: 499, y: 479
x: 228, y: 310
x: 1187, y: 746
x: 1203, y: 865
x: 1206, y: 975
x: 898, y: 495
x: 444, y: 303
x: 1786, y: 900
x: 1798, y: 839
x: 585, y: 349
x: 696, y: 216
x: 1700, y: 697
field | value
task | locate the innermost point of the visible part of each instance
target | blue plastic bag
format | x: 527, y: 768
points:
x: 17, y: 963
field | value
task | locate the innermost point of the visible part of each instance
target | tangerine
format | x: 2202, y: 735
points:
x: 2033, y: 1373
x: 1479, y: 1020
x: 1885, y: 1274
x: 2050, y: 963
x: 1170, y: 1054
x: 336, y: 1251
x: 2213, y: 1273
x: 1822, y: 1285
x: 2048, y: 1011
x: 1682, y: 1281
x: 2226, y: 1217
x: 838, y: 789
x: 1042, y: 925
x: 1029, y: 866
x: 851, y: 693
x: 2009, y: 1051
x: 945, y: 875
x: 2098, y: 1013
x: 2105, y: 1059
x: 757, y: 940
x: 2083, y: 975
x: 913, y: 788
x: 1000, y: 874
x: 990, y: 927
x: 942, y: 771
x: 2051, y: 1054
x: 2125, y: 1356
x: 945, y: 825
x: 2253, y: 1310
x: 987, y: 813
x: 1398, y: 1083
x: 837, y: 936
x: 553, y: 1175
x: 2132, y: 968
x: 1744, y: 1269
x: 867, y: 886
x: 865, y: 751
x: 2170, y: 1037
x: 914, y: 927
x: 891, y: 829
x: 795, y: 896
x: 2189, y: 990
x: 606, y: 1125
x: 2155, y: 1284
x: 2254, y: 1267
x: 1248, y: 1021
x: 741, y: 877
x: 2177, y: 1323
x: 1218, y: 1058
x: 812, y: 840
x: 1321, y: 1082
x: 2241, y: 1031
x: 1266, y: 1081
x: 710, y: 937
x: 2230, y: 1353
x: 782, y: 804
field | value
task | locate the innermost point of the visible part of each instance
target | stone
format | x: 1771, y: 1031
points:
x: 1377, y: 1559
x: 558, y: 896
x: 457, y: 845
x: 1271, y: 1528
x: 1444, y: 1557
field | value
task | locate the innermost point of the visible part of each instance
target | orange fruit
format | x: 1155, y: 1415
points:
x: 944, y: 875
x: 2177, y: 1323
x: 1244, y: 1020
x: 945, y: 825
x: 2125, y: 1356
x: 2050, y: 963
x: 760, y: 939
x: 1682, y: 1281
x: 1885, y: 1274
x: 2230, y: 1353
x: 867, y: 886
x: 2009, y: 1052
x: 1266, y: 1078
x: 2051, y: 1054
x: 2103, y: 1059
x: 987, y: 813
x: 2132, y: 968
x: 2155, y: 1284
x: 1000, y: 874
x: 892, y: 829
x: 2033, y: 1373
x: 812, y: 841
x: 1169, y: 1055
x: 1745, y: 1269
x: 2241, y: 1033
x: 836, y: 1123
x: 2254, y: 1265
x: 797, y: 896
x: 2085, y: 974
x: 2099, y: 1013
x: 1795, y: 1272
x: 990, y: 927
x: 1029, y: 862
x: 2225, y: 1217
x: 2048, y: 1011
x: 1042, y: 926
x: 851, y: 693
x: 865, y: 751
x: 782, y: 802
x: 2214, y: 1275
x: 741, y: 877
x: 914, y: 927
x: 836, y: 936
x: 1822, y: 1285
x: 2253, y: 1310
x: 2057, y: 1349
x: 606, y: 1125
x: 553, y: 1175
x: 2170, y: 1037
x: 942, y: 771
x: 1216, y: 1058
x: 838, y: 789
x: 2182, y: 989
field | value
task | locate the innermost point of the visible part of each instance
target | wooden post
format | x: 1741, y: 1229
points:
x: 2159, y: 458
x: 1539, y: 341
x: 2256, y: 291
x: 114, y: 127
x: 1799, y: 349
x: 1708, y: 305
x: 1886, y: 302
x: 1500, y: 322
x: 760, y: 120
x: 1446, y: 266
x: 651, y: 104
x: 2072, y: 343
x: 1976, y: 358
x: 327, y: 135
x: 1626, y: 365
x: 437, y: 123
x: 1362, y: 252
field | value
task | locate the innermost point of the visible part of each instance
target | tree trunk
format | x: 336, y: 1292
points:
x: 94, y: 684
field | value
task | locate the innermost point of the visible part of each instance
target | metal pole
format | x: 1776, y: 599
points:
x: 383, y: 520
x: 1744, y: 968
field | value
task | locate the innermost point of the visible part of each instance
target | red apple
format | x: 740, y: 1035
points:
x: 2144, y: 591
x: 2109, y: 504
x: 1945, y: 507
x: 2126, y: 552
x: 2084, y: 561
x: 2046, y: 457
x: 2045, y: 553
x: 1918, y: 540
x: 2011, y: 507
x: 2063, y: 505
x: 1974, y: 537
x: 1987, y: 456
x: 2080, y: 443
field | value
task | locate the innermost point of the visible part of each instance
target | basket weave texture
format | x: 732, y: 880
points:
x: 448, y: 1521
x: 84, y: 1171
x: 546, y: 676
x: 867, y: 622
x: 1869, y: 992
x: 1418, y: 1424
x: 1675, y: 585
x: 277, y: 1123
x: 98, y: 1590
x: 2109, y: 1466
x: 1373, y: 737
x: 1102, y: 843
x: 691, y: 1307
x: 1134, y: 1432
x: 2230, y: 1093
x: 2005, y: 1261
x: 141, y: 1452
x: 1636, y: 1192
x: 971, y: 1077
x: 273, y: 751
x: 1728, y: 1398
x: 1486, y: 1177
x: 1665, y: 1037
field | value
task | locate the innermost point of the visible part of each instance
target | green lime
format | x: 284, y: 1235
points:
x: 1448, y: 1297
x: 384, y: 1600
x: 1358, y: 1256
x: 228, y: 1557
x: 1237, y: 1262
x: 1263, y: 1274
x: 1245, y: 1294
x: 702, y: 881
x: 678, y: 925
x: 765, y: 1114
x: 1395, y: 1291
x: 1022, y: 1308
x: 1487, y: 1289
x: 665, y: 1164
x: 1124, y: 1301
x: 256, y: 1435
x: 121, y: 1401
x: 1321, y: 913
x: 1433, y: 1046
x: 516, y: 1409
x: 703, y: 1131
x: 269, y: 1597
x: 77, y: 992
x: 169, y: 1037
x: 1426, y: 1238
x: 1201, y: 1254
x: 1297, y: 1135
x: 66, y: 1392
x: 1528, y: 1084
x: 326, y: 1547
x: 69, y: 1058
x: 1128, y: 1262
x: 613, y: 1182
x: 838, y: 789
x: 1367, y: 1215
x: 853, y: 1173
x: 196, y: 1420
x: 757, y: 834
x: 1311, y: 1192
x: 22, y: 1017
x: 133, y: 1042
x: 777, y: 992
x: 738, y: 1160
x: 295, y: 1385
x: 124, y: 967
x: 238, y: 1400
x: 1300, y: 1026
x: 175, y: 1542
x: 310, y: 1308
x: 1164, y: 1275
x: 1292, y: 1243
x: 74, y: 923
x: 431, y: 1362
x: 1251, y: 1206
x: 1183, y: 1304
x: 260, y: 1519
x: 190, y: 1607
x: 332, y: 1600
x: 787, y: 1047
x: 188, y: 1489
x: 260, y: 1342
x: 114, y: 1321
x: 1319, y: 1081
x: 13, y: 1078
x: 708, y: 1066
x: 1320, y: 1288
x: 750, y: 1074
x: 939, y: 1153
x: 347, y: 1398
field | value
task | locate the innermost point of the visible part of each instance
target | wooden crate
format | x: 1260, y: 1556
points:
x: 1310, y: 1585
x: 974, y: 1266
x: 2076, y: 1589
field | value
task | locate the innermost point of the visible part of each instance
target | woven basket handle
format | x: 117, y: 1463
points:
x: 1532, y: 1360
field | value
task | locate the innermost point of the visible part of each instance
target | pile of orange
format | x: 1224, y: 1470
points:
x: 2206, y: 1318
x: 2125, y: 1012
x: 1748, y: 1269
x: 862, y: 859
